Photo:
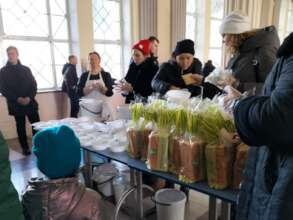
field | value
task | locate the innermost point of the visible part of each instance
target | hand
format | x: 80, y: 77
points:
x: 23, y: 100
x: 198, y: 78
x: 232, y: 94
x: 126, y: 87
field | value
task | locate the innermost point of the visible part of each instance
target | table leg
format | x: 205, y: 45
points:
x: 133, y: 195
x: 212, y: 208
x: 225, y: 211
x: 139, y: 195
x: 88, y: 168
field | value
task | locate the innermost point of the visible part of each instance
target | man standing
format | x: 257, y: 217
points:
x: 19, y: 87
x: 69, y: 85
x: 154, y: 47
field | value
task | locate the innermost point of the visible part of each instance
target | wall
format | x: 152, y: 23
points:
x: 52, y: 105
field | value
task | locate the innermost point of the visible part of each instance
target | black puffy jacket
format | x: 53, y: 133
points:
x: 140, y: 77
x: 266, y: 122
x: 170, y: 74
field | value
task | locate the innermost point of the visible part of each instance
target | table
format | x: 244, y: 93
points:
x: 138, y: 167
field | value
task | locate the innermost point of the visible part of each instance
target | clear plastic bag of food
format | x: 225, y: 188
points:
x: 219, y: 161
x: 158, y: 151
x: 174, y: 154
x: 239, y: 164
x: 192, y: 160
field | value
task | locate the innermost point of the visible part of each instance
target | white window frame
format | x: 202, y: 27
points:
x: 204, y: 21
x: 50, y: 39
x: 116, y: 42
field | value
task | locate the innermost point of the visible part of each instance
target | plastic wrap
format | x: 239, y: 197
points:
x: 239, y: 164
x: 158, y: 151
x: 192, y: 160
x: 174, y: 154
x: 219, y: 161
x: 138, y: 142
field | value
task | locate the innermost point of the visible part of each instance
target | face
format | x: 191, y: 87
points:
x: 94, y: 61
x: 73, y: 60
x: 154, y: 46
x: 184, y: 60
x: 137, y: 56
x: 228, y: 40
x: 12, y: 56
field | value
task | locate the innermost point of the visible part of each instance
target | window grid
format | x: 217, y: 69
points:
x: 212, y: 50
x: 47, y: 75
x: 109, y: 46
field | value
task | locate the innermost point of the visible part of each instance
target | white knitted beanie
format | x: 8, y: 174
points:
x: 235, y: 23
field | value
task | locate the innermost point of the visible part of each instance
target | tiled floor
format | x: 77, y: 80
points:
x: 24, y: 168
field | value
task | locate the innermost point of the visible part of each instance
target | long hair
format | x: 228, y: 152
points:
x: 239, y: 39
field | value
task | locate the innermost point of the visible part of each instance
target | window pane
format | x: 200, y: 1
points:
x: 35, y: 55
x: 190, y: 6
x: 106, y: 15
x: 190, y: 27
x: 26, y: 18
x: 217, y: 10
x: 61, y: 53
x: 215, y: 36
x: 110, y: 58
x: 215, y: 55
x: 59, y: 19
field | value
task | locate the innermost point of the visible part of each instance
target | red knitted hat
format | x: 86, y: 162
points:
x: 143, y: 46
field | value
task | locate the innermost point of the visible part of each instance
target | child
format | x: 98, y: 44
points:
x: 60, y: 195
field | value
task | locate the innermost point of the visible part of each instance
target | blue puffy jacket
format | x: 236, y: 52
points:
x: 267, y: 122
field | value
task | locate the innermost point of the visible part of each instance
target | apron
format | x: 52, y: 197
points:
x: 106, y: 113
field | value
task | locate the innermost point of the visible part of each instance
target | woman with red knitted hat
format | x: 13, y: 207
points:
x: 137, y: 82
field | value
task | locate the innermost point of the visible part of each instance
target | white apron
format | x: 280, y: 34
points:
x: 102, y: 114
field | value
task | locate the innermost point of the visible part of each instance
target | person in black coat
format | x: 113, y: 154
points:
x: 266, y: 123
x: 69, y: 84
x: 137, y: 82
x: 183, y: 71
x: 96, y: 73
x: 19, y: 87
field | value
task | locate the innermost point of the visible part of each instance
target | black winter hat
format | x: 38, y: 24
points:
x: 184, y: 46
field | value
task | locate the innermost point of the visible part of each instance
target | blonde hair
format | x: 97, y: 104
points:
x: 238, y: 40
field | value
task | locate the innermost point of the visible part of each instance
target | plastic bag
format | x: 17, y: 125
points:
x: 158, y: 151
x: 239, y: 164
x: 174, y: 154
x: 192, y: 160
x: 138, y: 142
x: 219, y: 161
x: 220, y: 77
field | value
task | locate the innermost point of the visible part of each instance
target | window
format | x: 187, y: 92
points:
x: 39, y: 29
x: 285, y: 26
x: 205, y: 33
x: 215, y: 45
x: 107, y: 35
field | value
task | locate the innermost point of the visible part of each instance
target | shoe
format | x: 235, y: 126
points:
x: 26, y: 152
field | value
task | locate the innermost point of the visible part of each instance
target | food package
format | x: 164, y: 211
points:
x: 192, y: 160
x: 219, y: 161
x: 138, y: 142
x: 174, y: 154
x: 188, y: 79
x: 158, y: 151
x: 220, y: 77
x: 239, y: 164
